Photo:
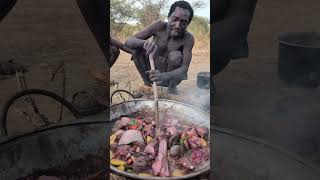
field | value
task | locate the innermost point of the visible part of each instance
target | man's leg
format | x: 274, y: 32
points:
x: 174, y: 61
x: 114, y: 54
x: 141, y: 62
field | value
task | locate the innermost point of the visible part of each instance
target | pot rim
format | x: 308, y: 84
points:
x: 282, y: 35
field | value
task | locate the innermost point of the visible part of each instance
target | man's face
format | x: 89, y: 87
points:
x: 178, y: 22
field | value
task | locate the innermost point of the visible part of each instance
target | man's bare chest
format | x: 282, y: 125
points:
x: 166, y: 45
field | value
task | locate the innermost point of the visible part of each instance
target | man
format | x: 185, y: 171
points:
x: 231, y: 24
x: 172, y: 46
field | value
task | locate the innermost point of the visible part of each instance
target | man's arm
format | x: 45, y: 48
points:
x: 180, y: 72
x: 138, y: 40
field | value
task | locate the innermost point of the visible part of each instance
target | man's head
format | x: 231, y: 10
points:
x: 179, y: 16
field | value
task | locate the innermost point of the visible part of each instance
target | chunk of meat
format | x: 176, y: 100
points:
x: 185, y: 163
x: 164, y: 172
x: 202, y: 131
x: 195, y: 142
x: 199, y: 155
x: 130, y: 136
x: 172, y: 131
x: 141, y: 164
x: 122, y: 151
x: 123, y: 122
x: 162, y: 152
x: 148, y: 130
x: 150, y: 148
x: 192, y: 132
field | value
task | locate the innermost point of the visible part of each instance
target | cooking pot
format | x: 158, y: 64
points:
x: 299, y: 58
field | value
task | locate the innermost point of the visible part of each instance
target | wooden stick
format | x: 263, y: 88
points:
x: 155, y: 94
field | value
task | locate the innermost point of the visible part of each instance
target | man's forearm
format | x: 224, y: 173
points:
x: 134, y: 43
x: 179, y: 73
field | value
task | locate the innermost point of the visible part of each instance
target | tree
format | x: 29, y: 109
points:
x: 121, y: 11
x: 150, y: 10
x: 199, y: 25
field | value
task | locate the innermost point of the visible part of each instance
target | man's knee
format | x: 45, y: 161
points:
x: 175, y: 58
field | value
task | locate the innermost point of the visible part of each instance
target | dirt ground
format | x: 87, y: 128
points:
x: 251, y: 98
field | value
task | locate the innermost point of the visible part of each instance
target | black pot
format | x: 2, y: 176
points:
x: 299, y: 58
x: 203, y: 80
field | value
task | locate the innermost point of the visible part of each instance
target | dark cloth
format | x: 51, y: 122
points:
x: 5, y: 7
x: 96, y: 16
x: 231, y: 23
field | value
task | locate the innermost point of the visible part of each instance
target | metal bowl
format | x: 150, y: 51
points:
x: 181, y: 110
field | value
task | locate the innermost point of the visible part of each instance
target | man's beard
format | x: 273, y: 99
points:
x: 176, y: 33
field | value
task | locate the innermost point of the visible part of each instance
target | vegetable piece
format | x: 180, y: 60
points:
x: 121, y: 168
x: 178, y: 172
x: 145, y: 174
x: 129, y: 161
x: 113, y: 138
x: 149, y: 138
x: 111, y: 154
x: 133, y: 127
x: 117, y: 162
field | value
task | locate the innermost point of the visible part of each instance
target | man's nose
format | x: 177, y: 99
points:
x: 177, y: 24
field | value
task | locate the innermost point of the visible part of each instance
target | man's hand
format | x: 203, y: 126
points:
x: 149, y: 46
x: 157, y: 77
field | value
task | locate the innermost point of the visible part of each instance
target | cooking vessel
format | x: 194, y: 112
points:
x: 184, y: 111
x: 299, y: 58
x: 203, y: 80
x: 55, y: 146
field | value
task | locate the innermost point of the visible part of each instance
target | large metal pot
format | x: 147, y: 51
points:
x: 299, y: 58
x: 187, y: 112
x: 237, y: 157
x: 52, y: 147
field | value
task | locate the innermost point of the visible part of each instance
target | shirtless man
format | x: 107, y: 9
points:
x: 172, y: 45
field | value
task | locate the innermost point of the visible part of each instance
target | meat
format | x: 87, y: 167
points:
x: 172, y: 131
x: 162, y: 152
x: 141, y: 164
x: 202, y: 132
x: 150, y: 148
x: 130, y: 136
x: 192, y: 132
x: 164, y: 172
x: 122, y: 151
x: 195, y: 142
x: 123, y: 122
x: 148, y: 130
x: 200, y: 155
x: 185, y: 163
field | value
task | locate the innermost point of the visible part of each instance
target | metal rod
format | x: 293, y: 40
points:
x: 155, y: 94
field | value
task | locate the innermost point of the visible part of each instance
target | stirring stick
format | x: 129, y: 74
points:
x: 155, y: 94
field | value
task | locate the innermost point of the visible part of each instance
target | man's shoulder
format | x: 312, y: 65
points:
x: 188, y: 36
x: 159, y: 24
